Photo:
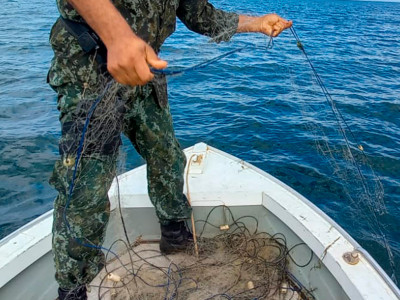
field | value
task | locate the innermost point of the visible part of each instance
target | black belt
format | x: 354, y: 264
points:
x: 89, y: 41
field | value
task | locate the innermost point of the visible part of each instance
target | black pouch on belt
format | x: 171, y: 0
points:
x: 160, y: 88
x: 89, y: 41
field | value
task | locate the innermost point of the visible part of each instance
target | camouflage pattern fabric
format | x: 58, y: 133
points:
x: 141, y: 113
x: 154, y: 21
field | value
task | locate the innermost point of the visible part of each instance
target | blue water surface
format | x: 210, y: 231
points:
x: 260, y: 105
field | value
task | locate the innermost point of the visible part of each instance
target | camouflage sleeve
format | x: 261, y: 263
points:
x: 201, y: 17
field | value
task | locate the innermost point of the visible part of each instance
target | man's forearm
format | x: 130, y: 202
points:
x: 270, y: 24
x: 248, y: 24
x: 104, y: 19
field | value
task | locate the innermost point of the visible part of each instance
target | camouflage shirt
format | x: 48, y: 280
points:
x: 154, y: 21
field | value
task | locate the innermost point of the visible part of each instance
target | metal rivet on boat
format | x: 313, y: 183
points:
x: 352, y: 258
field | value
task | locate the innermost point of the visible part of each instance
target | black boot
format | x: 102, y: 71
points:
x: 77, y: 294
x: 175, y: 237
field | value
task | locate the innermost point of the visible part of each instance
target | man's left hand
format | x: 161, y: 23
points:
x: 273, y: 24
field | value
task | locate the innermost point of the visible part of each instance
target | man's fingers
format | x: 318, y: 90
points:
x: 280, y: 26
x: 130, y: 76
x: 129, y: 60
x: 143, y: 72
x: 154, y: 60
x: 286, y: 24
x: 124, y: 78
x: 277, y: 29
x: 274, y: 18
x: 158, y: 64
x: 273, y: 25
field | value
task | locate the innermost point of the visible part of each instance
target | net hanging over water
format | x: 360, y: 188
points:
x: 350, y: 165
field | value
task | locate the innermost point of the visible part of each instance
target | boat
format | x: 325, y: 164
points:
x: 339, y: 268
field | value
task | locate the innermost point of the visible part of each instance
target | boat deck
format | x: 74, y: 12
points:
x: 183, y: 276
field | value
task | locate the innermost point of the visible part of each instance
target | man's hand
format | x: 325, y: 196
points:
x: 271, y: 24
x: 129, y: 59
x: 129, y: 56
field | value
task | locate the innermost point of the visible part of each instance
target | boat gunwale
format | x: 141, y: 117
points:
x: 25, y: 246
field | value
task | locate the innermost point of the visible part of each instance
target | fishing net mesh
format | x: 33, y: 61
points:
x: 361, y: 188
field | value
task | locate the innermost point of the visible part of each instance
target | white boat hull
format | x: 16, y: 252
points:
x: 214, y: 178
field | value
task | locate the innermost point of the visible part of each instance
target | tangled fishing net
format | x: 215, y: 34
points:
x: 238, y: 263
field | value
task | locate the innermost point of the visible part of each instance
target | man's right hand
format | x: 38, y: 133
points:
x: 128, y: 57
x: 128, y: 61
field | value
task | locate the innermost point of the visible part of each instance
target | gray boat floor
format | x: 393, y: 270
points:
x: 133, y: 287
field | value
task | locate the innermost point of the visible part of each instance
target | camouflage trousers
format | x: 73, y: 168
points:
x: 81, y: 214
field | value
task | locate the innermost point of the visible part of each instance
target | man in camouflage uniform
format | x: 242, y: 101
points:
x: 132, y: 32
